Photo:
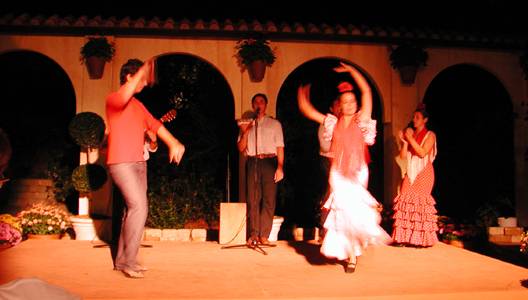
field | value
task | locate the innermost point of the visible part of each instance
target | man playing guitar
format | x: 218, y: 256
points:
x: 151, y: 142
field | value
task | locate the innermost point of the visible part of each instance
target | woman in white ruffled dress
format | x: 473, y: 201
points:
x: 353, y: 218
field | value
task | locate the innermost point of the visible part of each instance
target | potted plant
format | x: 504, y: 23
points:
x: 87, y: 130
x: 407, y: 58
x: 95, y: 53
x: 10, y: 231
x: 255, y: 54
x: 459, y: 235
x: 50, y: 220
x: 524, y: 243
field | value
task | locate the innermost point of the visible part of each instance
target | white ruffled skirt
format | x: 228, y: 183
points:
x: 353, y: 220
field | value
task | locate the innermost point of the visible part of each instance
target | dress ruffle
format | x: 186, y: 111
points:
x: 353, y: 220
x: 415, y: 219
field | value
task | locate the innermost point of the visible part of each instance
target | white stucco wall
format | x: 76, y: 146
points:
x: 398, y: 101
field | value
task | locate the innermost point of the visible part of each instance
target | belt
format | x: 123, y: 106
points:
x: 260, y: 156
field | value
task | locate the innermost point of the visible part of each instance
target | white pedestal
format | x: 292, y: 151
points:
x: 275, y: 228
x: 84, y: 206
x: 84, y: 228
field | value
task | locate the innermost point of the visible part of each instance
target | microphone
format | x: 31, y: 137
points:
x: 248, y: 117
x: 257, y: 112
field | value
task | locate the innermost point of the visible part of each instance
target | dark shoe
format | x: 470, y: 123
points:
x: 351, y: 265
x: 133, y: 274
x: 265, y: 241
x: 252, y: 242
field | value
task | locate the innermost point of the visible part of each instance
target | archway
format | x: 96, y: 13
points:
x: 301, y: 192
x: 38, y: 102
x: 205, y: 124
x: 472, y: 115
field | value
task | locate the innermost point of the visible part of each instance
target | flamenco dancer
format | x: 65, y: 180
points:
x: 353, y: 217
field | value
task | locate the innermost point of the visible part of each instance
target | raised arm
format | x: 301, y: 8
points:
x: 134, y: 84
x: 306, y: 107
x: 365, y: 111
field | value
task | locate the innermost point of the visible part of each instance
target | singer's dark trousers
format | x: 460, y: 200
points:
x: 261, y: 195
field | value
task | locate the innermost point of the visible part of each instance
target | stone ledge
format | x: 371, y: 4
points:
x: 505, y: 235
x: 175, y: 235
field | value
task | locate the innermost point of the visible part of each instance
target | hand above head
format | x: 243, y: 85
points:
x: 149, y: 71
x: 365, y: 111
x: 306, y: 107
x: 343, y: 68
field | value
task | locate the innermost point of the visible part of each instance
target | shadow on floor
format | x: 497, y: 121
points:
x: 311, y: 252
x: 506, y: 253
x: 524, y: 283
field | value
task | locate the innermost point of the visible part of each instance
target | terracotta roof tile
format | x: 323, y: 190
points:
x: 82, y: 25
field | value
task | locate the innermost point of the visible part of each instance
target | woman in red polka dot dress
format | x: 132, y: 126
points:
x: 414, y: 207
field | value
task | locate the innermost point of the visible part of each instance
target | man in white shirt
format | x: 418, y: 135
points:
x: 326, y: 156
x: 151, y: 144
x: 262, y: 141
x: 325, y: 142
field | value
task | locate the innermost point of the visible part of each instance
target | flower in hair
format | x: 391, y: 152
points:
x: 344, y: 87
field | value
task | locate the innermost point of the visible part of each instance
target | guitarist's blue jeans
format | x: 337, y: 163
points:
x: 131, y: 179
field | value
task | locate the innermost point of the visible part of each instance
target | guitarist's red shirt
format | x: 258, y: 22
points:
x: 127, y: 122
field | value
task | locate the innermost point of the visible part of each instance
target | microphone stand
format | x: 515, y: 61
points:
x: 254, y: 245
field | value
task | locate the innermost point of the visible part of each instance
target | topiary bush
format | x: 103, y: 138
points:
x: 88, y: 178
x: 87, y: 129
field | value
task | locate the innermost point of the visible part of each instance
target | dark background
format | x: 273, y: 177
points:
x: 494, y: 16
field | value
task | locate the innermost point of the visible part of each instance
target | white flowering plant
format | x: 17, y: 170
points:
x: 524, y: 242
x: 44, y: 219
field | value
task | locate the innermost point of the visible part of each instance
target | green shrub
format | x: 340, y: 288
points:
x: 173, y: 202
x: 87, y: 129
x: 87, y: 178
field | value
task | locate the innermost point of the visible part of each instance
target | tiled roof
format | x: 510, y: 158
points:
x: 83, y: 25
